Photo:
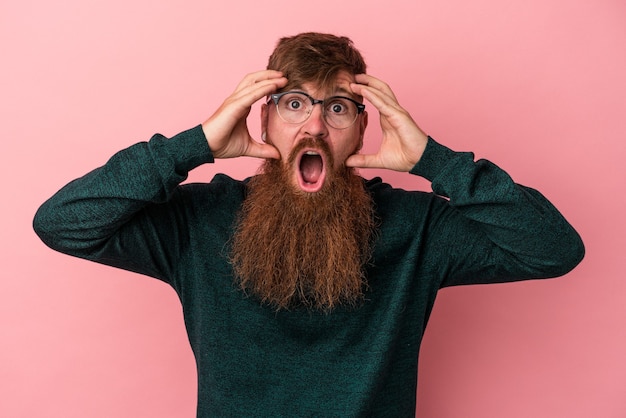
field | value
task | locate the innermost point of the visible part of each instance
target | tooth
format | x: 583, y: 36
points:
x: 311, y: 153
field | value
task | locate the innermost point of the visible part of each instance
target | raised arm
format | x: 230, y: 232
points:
x: 129, y: 193
x: 488, y: 228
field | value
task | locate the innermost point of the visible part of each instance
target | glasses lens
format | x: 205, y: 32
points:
x: 294, y: 107
x: 340, y: 112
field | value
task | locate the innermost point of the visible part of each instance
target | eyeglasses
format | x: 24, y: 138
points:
x: 296, y: 107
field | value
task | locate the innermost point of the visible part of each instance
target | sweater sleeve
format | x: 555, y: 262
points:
x: 496, y: 230
x: 85, y: 217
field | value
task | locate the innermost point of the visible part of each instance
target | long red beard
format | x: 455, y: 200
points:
x: 293, y: 248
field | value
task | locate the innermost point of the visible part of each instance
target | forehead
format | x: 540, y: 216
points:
x: 339, y: 86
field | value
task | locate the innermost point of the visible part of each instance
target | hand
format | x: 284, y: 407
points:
x: 403, y: 142
x: 227, y: 131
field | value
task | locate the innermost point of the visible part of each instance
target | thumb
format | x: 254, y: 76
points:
x: 363, y: 161
x: 260, y: 150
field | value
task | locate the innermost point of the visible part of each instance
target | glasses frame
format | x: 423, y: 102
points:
x: 275, y: 97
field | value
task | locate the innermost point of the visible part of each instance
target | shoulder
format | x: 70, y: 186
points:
x: 390, y: 199
x: 405, y: 217
x: 221, y: 191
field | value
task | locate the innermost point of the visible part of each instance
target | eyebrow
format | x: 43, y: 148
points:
x: 337, y: 91
x: 343, y: 91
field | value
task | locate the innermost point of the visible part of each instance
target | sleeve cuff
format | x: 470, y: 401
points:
x: 433, y: 160
x: 189, y: 149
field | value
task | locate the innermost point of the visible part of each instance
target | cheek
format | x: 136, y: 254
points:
x: 277, y: 136
x: 283, y: 141
x: 346, y: 146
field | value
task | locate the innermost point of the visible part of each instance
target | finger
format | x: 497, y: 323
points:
x: 375, y: 83
x: 241, y: 101
x: 257, y: 76
x: 384, y: 103
x: 377, y: 92
x: 363, y: 161
x: 259, y: 80
x: 260, y: 150
x: 259, y: 89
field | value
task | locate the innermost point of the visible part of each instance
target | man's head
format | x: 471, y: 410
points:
x: 317, y: 131
x: 306, y: 226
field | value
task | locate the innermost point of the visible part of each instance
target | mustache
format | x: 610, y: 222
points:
x: 311, y: 142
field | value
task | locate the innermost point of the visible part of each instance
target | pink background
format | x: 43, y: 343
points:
x: 537, y: 86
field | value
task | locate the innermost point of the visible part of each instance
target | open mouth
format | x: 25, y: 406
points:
x: 311, y: 170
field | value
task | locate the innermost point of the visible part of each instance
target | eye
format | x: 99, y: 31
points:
x: 294, y: 103
x: 337, y: 107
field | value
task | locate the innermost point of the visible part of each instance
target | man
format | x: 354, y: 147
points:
x: 306, y: 289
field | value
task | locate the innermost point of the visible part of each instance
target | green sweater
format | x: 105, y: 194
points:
x: 133, y: 213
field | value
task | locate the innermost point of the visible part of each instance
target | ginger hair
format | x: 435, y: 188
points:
x: 315, y: 58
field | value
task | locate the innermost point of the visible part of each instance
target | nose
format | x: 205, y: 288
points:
x: 315, y: 125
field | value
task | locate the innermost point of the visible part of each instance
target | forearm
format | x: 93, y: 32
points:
x: 528, y: 232
x: 86, y: 212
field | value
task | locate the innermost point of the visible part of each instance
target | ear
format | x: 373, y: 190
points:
x: 362, y: 125
x: 264, y: 117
